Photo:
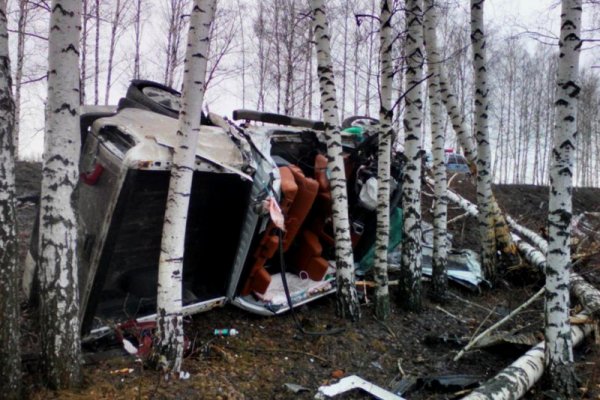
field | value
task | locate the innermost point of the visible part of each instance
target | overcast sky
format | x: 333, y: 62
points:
x: 511, y: 15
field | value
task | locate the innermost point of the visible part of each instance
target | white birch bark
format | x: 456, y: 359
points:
x: 484, y: 177
x: 10, y: 357
x: 463, y: 133
x: 347, y: 299
x: 170, y: 269
x: 382, y: 293
x: 440, y: 213
x: 587, y: 294
x: 58, y: 264
x: 539, y: 241
x: 84, y: 36
x: 502, y: 233
x: 515, y: 380
x: 559, y: 353
x: 21, y: 25
x: 97, y: 54
x: 410, y: 279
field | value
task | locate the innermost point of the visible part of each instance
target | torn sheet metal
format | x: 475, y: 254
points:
x: 463, y: 267
x: 355, y: 382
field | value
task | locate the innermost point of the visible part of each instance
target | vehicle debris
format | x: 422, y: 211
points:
x: 252, y: 183
x: 295, y: 388
x: 225, y: 332
x: 353, y: 382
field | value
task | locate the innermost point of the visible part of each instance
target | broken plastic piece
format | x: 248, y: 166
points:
x: 355, y: 382
x: 225, y: 332
x: 295, y: 388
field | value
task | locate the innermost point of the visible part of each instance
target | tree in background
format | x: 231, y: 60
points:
x: 118, y: 24
x: 410, y: 268
x: 176, y: 24
x: 347, y: 298
x: 170, y: 267
x: 559, y: 344
x: 439, y: 276
x: 385, y: 135
x: 10, y: 357
x: 58, y: 265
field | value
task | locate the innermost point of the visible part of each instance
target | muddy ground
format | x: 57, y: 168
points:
x: 271, y: 352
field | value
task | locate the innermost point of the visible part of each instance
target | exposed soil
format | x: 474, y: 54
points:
x: 270, y: 352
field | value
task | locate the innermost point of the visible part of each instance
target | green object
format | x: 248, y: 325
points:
x: 396, y: 224
x: 356, y: 131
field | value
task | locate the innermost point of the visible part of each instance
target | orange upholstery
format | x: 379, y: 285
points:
x: 259, y: 279
x: 308, y: 257
x: 303, y: 202
x: 298, y: 194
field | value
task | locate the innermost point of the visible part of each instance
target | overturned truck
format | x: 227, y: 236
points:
x: 244, y: 175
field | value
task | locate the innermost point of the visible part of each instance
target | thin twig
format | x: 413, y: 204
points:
x: 472, y: 304
x: 457, y: 218
x: 473, y: 342
x: 482, y: 323
x: 450, y: 314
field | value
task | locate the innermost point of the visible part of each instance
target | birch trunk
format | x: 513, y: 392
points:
x: 502, y: 233
x: 169, y: 303
x: 347, y: 299
x: 10, y: 357
x: 97, y: 55
x: 587, y: 294
x: 515, y: 380
x: 21, y: 25
x: 484, y: 177
x: 58, y: 264
x: 410, y: 270
x: 137, y: 27
x: 111, y: 48
x: 559, y: 353
x: 380, y: 271
x: 84, y: 35
x: 440, y: 242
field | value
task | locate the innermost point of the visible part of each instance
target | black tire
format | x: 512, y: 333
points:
x: 347, y: 123
x: 136, y: 93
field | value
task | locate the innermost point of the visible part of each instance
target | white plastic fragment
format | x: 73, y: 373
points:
x: 184, y: 375
x: 355, y: 382
x: 129, y: 347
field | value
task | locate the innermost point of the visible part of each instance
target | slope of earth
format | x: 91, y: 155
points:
x: 271, y: 352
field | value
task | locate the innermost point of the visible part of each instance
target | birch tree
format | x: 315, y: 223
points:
x: 382, y: 296
x: 21, y: 26
x: 347, y: 299
x: 175, y: 10
x: 116, y: 29
x: 484, y: 178
x: 559, y: 352
x: 97, y: 53
x: 169, y: 303
x: 10, y: 357
x: 137, y: 27
x: 410, y: 269
x: 58, y: 265
x: 440, y: 242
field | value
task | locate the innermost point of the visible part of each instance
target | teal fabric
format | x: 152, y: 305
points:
x: 396, y: 224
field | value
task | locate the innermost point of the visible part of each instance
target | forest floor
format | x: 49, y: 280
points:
x: 271, y: 352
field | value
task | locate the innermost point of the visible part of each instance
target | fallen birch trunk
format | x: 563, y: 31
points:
x: 459, y: 200
x: 537, y: 240
x: 587, y: 294
x: 516, y: 379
